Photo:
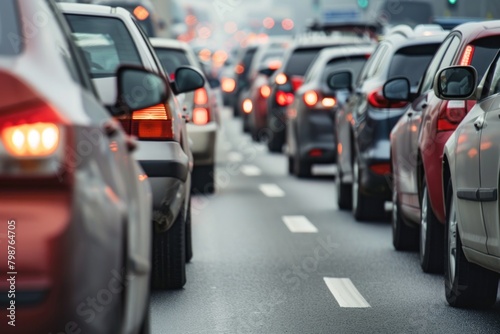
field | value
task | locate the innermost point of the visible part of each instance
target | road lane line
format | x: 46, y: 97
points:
x: 271, y: 190
x: 299, y: 224
x: 235, y: 157
x: 345, y: 293
x: 250, y: 170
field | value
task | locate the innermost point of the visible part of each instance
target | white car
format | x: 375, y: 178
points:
x: 471, y: 166
x: 203, y: 108
x: 110, y: 37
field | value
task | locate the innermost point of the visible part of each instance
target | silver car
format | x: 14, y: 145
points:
x: 202, y: 107
x: 471, y: 166
x: 110, y: 37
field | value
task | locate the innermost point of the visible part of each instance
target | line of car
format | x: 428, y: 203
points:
x: 97, y: 165
x: 409, y: 120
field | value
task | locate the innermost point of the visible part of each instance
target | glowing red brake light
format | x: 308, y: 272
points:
x: 200, y: 96
x: 283, y: 98
x: 154, y: 123
x: 381, y: 169
x: 265, y: 91
x: 377, y: 100
x: 141, y: 13
x: 467, y: 56
x: 311, y: 98
x: 297, y: 82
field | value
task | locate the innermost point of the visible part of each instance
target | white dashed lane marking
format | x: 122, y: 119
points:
x: 271, y: 190
x: 345, y: 293
x: 250, y: 170
x: 299, y: 224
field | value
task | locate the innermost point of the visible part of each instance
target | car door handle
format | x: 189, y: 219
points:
x: 424, y: 105
x: 410, y: 114
x: 478, y: 124
x: 131, y: 143
x: 111, y: 128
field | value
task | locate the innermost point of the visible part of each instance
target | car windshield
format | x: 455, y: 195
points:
x: 300, y: 61
x: 411, y: 62
x: 171, y: 59
x: 106, y: 43
x: 10, y: 37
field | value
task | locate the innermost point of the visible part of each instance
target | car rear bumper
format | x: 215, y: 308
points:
x: 203, y: 139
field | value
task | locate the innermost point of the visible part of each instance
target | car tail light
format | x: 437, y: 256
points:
x: 284, y: 98
x: 228, y: 85
x: 297, y: 82
x: 467, y: 56
x: 201, y: 110
x: 381, y: 169
x: 377, y: 100
x: 265, y: 91
x: 315, y: 100
x: 239, y: 69
x: 172, y: 77
x: 154, y: 123
x: 315, y: 153
x: 201, y: 116
x: 281, y: 79
x: 450, y: 115
x: 34, y: 137
x: 31, y: 140
x: 247, y: 106
x: 141, y: 13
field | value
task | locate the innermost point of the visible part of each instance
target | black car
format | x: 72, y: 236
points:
x: 364, y: 124
x: 290, y: 77
x: 310, y: 135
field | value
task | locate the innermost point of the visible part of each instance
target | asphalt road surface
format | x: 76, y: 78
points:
x: 273, y: 254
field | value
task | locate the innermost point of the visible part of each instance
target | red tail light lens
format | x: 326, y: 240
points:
x: 154, y: 123
x: 467, y: 56
x: 381, y: 169
x: 297, y: 82
x: 311, y: 98
x: 201, y: 116
x: 377, y: 100
x: 141, y: 13
x: 265, y: 91
x: 283, y: 98
x: 450, y: 115
x: 228, y: 85
x: 247, y: 106
x: 315, y: 153
x: 31, y: 140
x: 281, y: 79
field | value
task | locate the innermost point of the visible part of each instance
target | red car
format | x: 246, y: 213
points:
x: 418, y: 139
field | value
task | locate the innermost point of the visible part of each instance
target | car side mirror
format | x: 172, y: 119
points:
x: 340, y: 80
x: 397, y: 89
x: 456, y: 83
x: 187, y: 79
x: 138, y: 89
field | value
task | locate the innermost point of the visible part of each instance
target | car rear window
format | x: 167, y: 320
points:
x: 247, y: 60
x: 485, y: 49
x: 135, y: 9
x: 354, y: 64
x: 300, y: 60
x: 10, y: 34
x: 105, y: 42
x: 411, y: 62
x: 171, y: 59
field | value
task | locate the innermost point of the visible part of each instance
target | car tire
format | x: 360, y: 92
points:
x: 467, y: 285
x: 203, y: 179
x: 404, y: 236
x: 431, y: 237
x: 344, y: 193
x: 291, y: 165
x: 169, y: 256
x: 302, y: 169
x: 189, y: 242
x: 364, y: 207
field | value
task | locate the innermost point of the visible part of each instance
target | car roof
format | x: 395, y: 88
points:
x: 346, y: 51
x: 78, y: 8
x: 474, y: 30
x: 400, y: 41
x: 168, y: 43
x: 322, y: 41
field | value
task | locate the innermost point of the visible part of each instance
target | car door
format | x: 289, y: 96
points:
x: 489, y: 160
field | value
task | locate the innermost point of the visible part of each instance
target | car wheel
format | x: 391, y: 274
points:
x: 344, y: 193
x: 466, y: 284
x: 431, y: 237
x: 404, y: 237
x: 203, y: 179
x: 169, y: 256
x: 363, y: 206
x: 302, y: 169
x: 291, y: 165
x: 189, y: 242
